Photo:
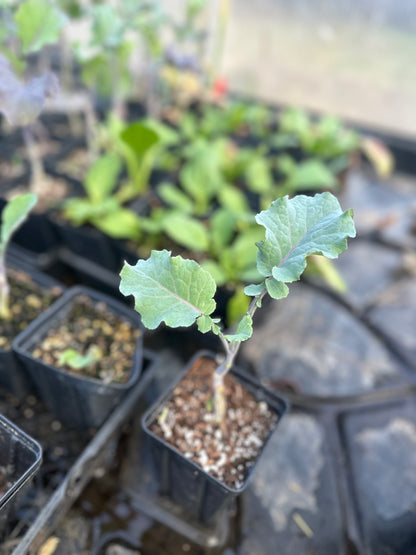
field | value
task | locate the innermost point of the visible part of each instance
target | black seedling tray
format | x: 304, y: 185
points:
x: 21, y: 456
x: 70, y: 460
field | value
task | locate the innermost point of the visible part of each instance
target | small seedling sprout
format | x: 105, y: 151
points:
x: 180, y: 292
x: 77, y: 361
x: 13, y: 216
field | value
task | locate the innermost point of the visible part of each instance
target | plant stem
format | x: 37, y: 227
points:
x: 4, y: 290
x: 36, y: 166
x: 231, y: 350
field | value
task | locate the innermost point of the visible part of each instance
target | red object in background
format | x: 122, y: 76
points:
x: 219, y: 88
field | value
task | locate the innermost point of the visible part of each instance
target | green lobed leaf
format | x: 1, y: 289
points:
x: 254, y: 289
x: 168, y: 289
x: 276, y: 289
x: 39, y: 22
x: 297, y: 228
x: 244, y: 330
x: 204, y: 323
x: 14, y: 214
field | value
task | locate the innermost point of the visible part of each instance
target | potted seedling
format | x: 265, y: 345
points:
x: 83, y: 354
x: 206, y: 441
x: 22, y: 296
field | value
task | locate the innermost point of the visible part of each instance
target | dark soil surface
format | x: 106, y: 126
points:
x: 50, y: 191
x: 227, y: 450
x: 92, y: 330
x: 27, y: 301
x: 75, y: 164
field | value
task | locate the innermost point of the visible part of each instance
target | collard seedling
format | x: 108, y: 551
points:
x: 180, y: 292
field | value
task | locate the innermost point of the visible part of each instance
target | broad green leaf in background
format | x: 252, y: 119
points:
x: 13, y: 215
x: 325, y: 269
x: 186, y: 231
x: 139, y: 137
x: 217, y: 272
x: 168, y: 289
x: 107, y: 26
x: 297, y: 228
x: 222, y: 228
x: 174, y: 197
x: 81, y: 210
x: 237, y: 306
x: 232, y: 198
x: 119, y: 224
x: 259, y: 176
x: 311, y: 174
x: 101, y: 178
x: 39, y: 22
x: 167, y: 135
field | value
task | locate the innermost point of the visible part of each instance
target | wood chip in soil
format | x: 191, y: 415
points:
x: 88, y: 326
x: 27, y: 301
x: 226, y: 451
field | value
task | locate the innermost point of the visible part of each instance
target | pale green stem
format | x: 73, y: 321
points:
x: 36, y: 166
x: 231, y: 350
x: 4, y: 289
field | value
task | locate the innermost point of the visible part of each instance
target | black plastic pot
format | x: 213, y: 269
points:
x: 88, y: 242
x: 185, y: 482
x: 80, y: 402
x: 21, y: 456
x: 12, y: 377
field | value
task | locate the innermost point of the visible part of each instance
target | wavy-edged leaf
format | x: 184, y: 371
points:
x: 253, y: 290
x: 14, y: 214
x: 244, y: 330
x: 297, y: 228
x: 168, y: 289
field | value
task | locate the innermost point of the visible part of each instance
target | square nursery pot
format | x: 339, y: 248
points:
x: 78, y: 401
x: 182, y: 480
x: 20, y: 458
x: 12, y: 377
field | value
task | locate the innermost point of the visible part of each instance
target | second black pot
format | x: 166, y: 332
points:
x: 185, y: 482
x: 81, y: 402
